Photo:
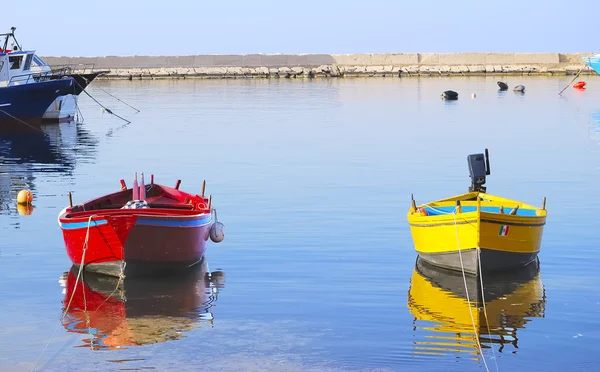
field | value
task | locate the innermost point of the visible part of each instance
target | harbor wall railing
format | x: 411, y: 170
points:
x: 331, y: 65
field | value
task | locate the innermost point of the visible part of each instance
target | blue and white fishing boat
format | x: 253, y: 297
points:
x: 26, y: 63
x: 593, y: 62
x: 25, y: 96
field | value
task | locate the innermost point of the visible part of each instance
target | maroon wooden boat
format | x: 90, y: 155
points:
x: 144, y: 230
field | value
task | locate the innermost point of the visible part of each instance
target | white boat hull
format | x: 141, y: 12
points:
x: 64, y: 108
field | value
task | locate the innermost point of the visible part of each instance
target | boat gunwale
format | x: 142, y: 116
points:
x: 416, y: 219
x: 67, y: 216
x: 492, y: 200
x: 100, y: 214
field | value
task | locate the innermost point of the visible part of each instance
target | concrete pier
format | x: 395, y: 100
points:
x: 330, y: 65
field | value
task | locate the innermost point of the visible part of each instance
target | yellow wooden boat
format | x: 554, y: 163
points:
x: 446, y: 323
x: 477, y: 231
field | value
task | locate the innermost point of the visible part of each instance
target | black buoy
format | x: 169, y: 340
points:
x: 519, y: 88
x: 502, y: 85
x: 450, y: 94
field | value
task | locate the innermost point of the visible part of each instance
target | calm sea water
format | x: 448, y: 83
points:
x: 312, y: 180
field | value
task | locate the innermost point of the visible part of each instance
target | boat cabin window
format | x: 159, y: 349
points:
x: 27, y: 64
x: 15, y: 62
x: 1, y: 65
x: 37, y: 61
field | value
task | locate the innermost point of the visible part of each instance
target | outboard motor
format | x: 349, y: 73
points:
x: 479, y: 167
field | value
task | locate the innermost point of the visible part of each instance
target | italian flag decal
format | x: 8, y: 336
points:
x: 503, y: 230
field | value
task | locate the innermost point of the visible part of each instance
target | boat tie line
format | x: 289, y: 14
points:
x: 101, y: 105
x: 80, y: 275
x: 24, y: 122
x: 125, y: 103
x: 476, y: 333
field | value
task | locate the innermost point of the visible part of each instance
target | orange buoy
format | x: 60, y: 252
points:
x: 24, y: 197
x: 579, y: 85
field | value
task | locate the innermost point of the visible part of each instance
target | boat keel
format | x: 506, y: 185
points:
x: 491, y: 260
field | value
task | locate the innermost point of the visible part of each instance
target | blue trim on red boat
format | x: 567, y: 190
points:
x: 173, y: 222
x: 81, y: 225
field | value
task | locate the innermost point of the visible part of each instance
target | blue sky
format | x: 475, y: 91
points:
x: 128, y: 27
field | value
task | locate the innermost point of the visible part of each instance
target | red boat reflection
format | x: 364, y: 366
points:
x: 131, y: 312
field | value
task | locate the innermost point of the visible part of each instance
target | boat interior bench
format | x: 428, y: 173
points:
x: 153, y: 202
x: 439, y: 210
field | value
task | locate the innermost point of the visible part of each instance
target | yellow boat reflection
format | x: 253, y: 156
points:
x: 446, y: 322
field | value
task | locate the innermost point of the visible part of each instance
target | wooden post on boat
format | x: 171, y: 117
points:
x: 544, y: 204
x: 458, y: 207
x: 70, y: 200
x: 209, y: 202
x: 142, y: 188
x: 501, y: 209
x: 152, y: 179
x: 136, y: 190
x: 514, y: 210
x: 203, y: 187
x: 177, y: 184
x: 413, y: 204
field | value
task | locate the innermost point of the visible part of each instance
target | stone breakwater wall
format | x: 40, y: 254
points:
x: 330, y: 65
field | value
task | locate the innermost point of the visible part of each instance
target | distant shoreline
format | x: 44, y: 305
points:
x: 330, y: 65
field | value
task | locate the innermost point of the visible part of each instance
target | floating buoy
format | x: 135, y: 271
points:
x: 24, y: 209
x: 216, y: 232
x: 502, y: 85
x: 519, y: 88
x: 579, y: 85
x: 450, y: 95
x: 24, y: 197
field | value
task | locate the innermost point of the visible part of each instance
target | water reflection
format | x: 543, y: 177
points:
x: 139, y: 311
x: 442, y: 315
x: 595, y: 126
x: 54, y: 148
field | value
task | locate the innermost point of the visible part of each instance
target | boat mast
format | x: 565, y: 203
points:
x: 8, y: 36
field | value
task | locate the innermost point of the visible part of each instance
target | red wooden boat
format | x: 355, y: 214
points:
x: 144, y: 230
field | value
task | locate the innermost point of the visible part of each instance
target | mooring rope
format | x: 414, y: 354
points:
x: 101, y: 105
x: 16, y: 118
x: 97, y: 87
x: 467, y: 291
x: 576, y: 75
x: 78, y: 113
x: 80, y: 275
x: 483, y: 302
